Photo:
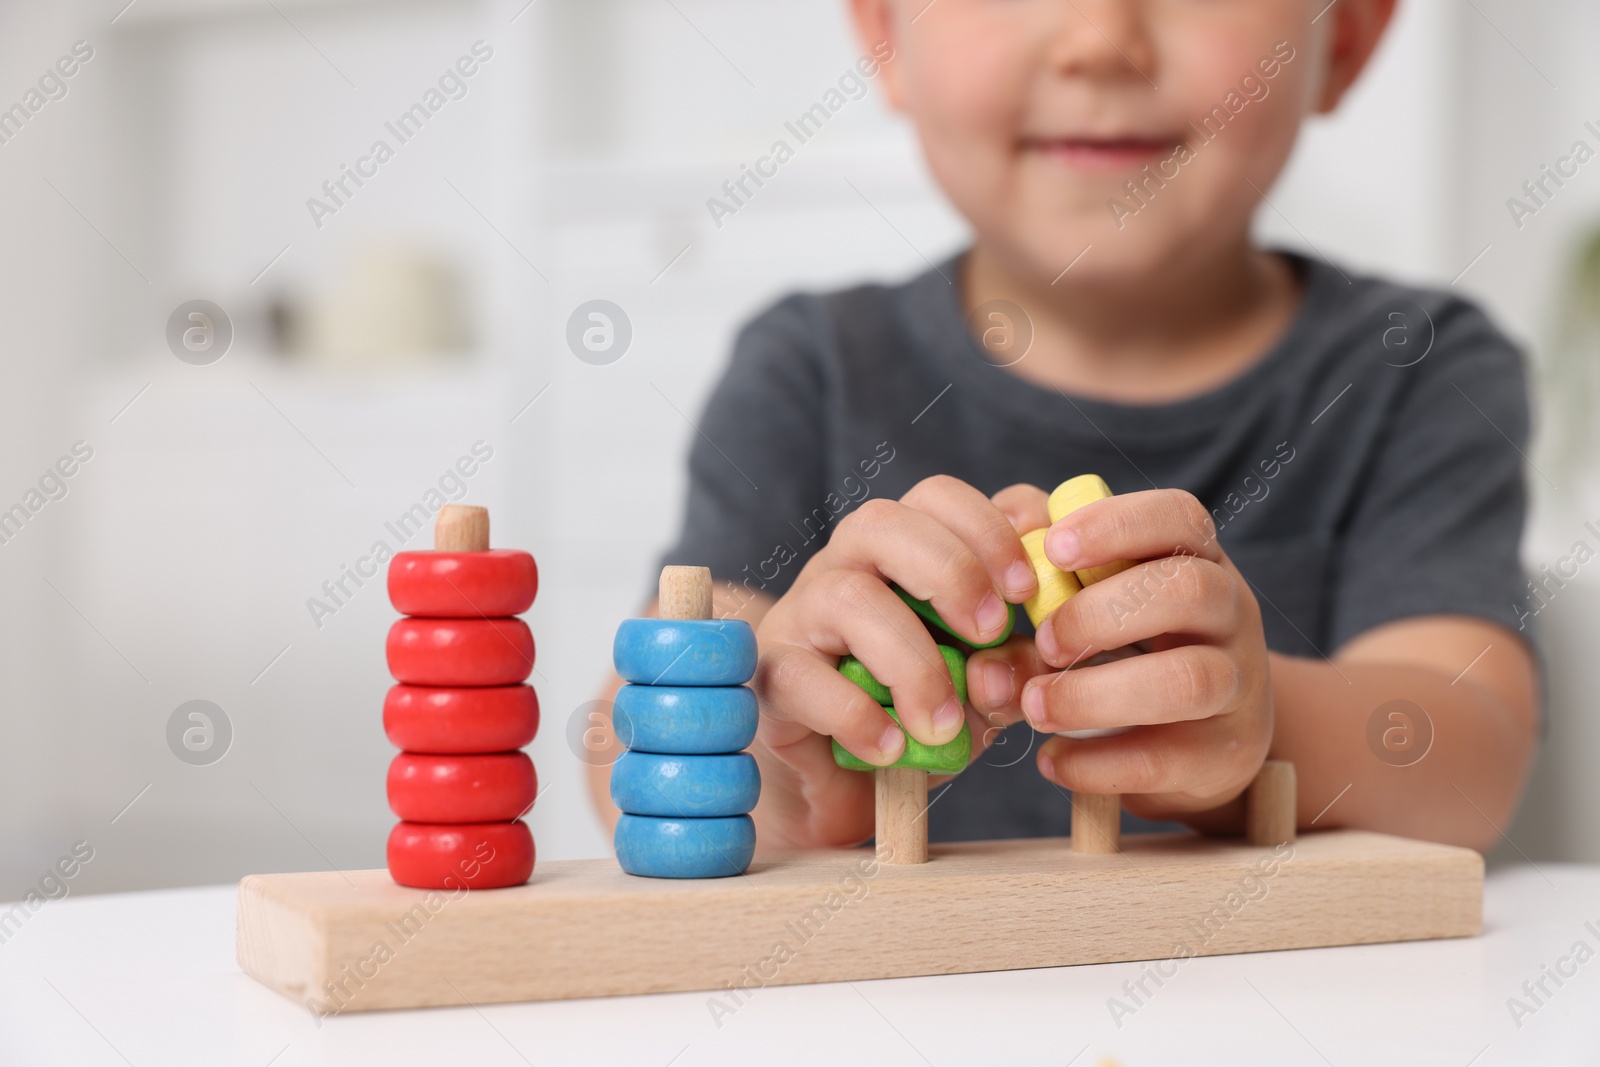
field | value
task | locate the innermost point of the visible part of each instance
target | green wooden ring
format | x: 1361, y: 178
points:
x: 955, y: 663
x: 949, y: 758
x: 925, y: 609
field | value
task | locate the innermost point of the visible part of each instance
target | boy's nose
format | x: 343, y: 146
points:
x: 1102, y: 38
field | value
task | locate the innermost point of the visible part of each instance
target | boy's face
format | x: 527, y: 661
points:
x: 1035, y: 115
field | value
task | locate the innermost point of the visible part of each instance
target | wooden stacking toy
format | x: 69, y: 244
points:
x: 345, y: 941
x: 900, y: 790
x: 685, y: 786
x: 461, y: 712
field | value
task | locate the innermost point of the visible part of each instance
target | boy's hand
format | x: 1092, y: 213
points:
x: 944, y: 542
x: 1201, y: 696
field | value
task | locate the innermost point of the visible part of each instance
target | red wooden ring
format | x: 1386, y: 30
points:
x: 495, y: 718
x: 453, y: 652
x: 463, y: 585
x: 489, y: 855
x: 486, y: 788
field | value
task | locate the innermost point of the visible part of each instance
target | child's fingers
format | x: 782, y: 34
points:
x: 854, y: 612
x: 982, y: 527
x: 801, y: 696
x: 995, y: 676
x: 1026, y: 507
x: 918, y: 553
x: 1145, y: 525
x: 987, y: 727
x: 838, y: 802
x: 1174, y: 759
x: 1172, y: 685
x: 1174, y: 595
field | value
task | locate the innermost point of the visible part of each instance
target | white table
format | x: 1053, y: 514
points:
x: 150, y: 979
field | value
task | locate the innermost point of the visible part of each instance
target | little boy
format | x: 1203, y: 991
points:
x: 1319, y: 473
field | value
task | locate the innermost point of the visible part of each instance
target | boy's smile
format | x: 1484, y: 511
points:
x: 1036, y: 115
x: 1101, y: 154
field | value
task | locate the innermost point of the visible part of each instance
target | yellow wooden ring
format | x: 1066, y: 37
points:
x: 1056, y: 587
x: 1073, y: 494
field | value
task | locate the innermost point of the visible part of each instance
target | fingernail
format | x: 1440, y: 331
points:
x: 947, y: 718
x: 1047, y: 767
x: 991, y: 614
x: 1049, y: 646
x: 892, y: 743
x: 1019, y: 581
x: 1062, y: 547
x: 1033, y: 705
x: 992, y: 682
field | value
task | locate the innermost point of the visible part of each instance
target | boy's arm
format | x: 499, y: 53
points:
x: 1474, y: 689
x: 1422, y: 613
x: 1428, y: 577
x: 1212, y: 701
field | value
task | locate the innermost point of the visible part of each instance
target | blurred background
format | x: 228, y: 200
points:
x: 422, y: 315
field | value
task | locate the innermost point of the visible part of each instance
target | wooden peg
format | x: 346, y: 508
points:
x: 900, y: 791
x: 1096, y: 818
x: 1269, y: 805
x: 1096, y: 822
x: 902, y: 805
x: 685, y: 593
x: 461, y: 528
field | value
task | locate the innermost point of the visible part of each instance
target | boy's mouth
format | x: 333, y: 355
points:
x: 1102, y: 153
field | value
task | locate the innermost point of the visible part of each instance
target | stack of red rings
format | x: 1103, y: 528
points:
x: 459, y: 716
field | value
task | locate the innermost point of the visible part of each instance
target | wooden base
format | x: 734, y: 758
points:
x: 583, y: 928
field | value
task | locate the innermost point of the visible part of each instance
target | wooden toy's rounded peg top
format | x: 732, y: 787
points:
x: 685, y: 592
x: 461, y: 528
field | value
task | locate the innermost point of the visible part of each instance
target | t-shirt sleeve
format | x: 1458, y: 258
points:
x: 1439, y: 524
x: 757, y: 463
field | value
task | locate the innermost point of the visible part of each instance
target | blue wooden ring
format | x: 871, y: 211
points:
x: 685, y: 651
x: 685, y: 848
x: 685, y: 787
x: 698, y: 720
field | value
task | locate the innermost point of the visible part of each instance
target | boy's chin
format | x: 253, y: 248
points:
x: 1091, y: 254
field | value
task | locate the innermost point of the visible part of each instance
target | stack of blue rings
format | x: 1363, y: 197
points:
x: 685, y: 785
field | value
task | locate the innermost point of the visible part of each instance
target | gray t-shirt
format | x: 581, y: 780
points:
x: 1368, y: 468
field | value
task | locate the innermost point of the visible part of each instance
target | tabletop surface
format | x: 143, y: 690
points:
x: 150, y: 978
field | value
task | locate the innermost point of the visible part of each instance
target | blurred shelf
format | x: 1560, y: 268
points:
x: 578, y: 190
x: 176, y: 14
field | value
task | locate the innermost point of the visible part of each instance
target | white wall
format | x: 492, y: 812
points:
x: 1529, y: 85
x: 188, y: 546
